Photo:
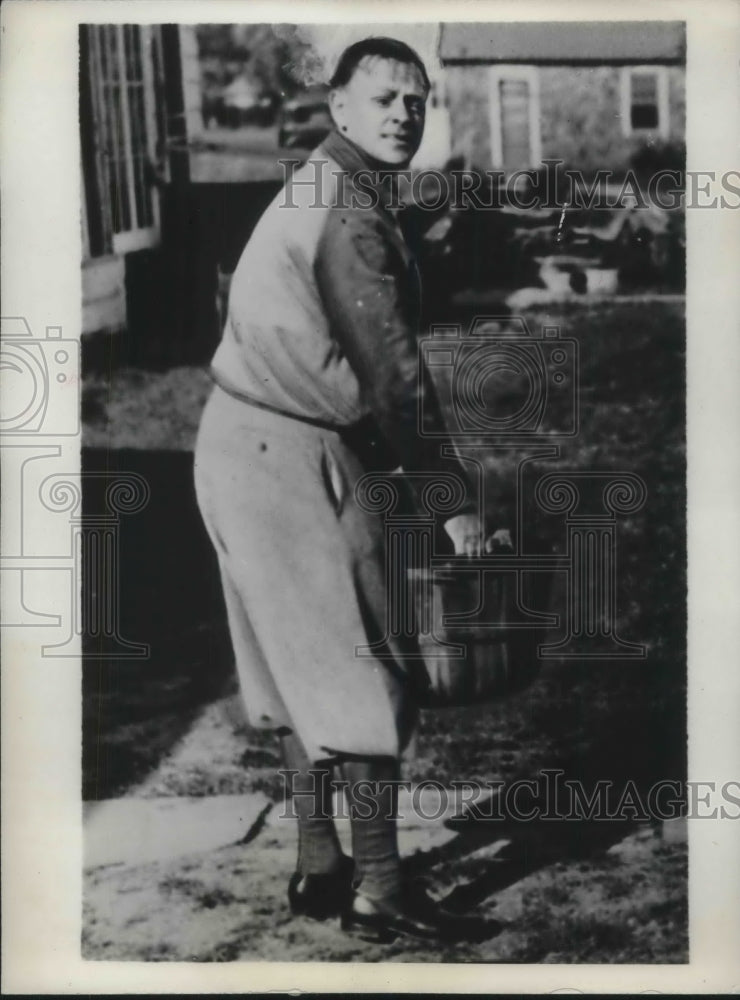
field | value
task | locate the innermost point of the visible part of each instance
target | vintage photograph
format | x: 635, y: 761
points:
x: 383, y: 473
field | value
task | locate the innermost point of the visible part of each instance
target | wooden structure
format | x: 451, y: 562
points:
x: 587, y: 93
x: 137, y: 109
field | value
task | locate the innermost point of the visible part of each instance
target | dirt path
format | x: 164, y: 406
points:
x: 167, y: 878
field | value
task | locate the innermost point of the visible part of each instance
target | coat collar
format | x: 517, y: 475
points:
x: 378, y: 176
x: 352, y: 159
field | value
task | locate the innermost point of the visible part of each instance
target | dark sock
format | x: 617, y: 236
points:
x: 372, y: 797
x: 319, y: 850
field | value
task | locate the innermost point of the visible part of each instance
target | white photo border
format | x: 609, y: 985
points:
x: 41, y: 712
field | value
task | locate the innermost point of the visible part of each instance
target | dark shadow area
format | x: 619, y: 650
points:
x: 171, y: 290
x: 169, y: 598
x: 531, y: 846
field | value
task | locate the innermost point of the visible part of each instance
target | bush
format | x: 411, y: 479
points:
x: 659, y: 155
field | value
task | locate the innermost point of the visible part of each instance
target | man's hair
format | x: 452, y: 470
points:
x: 383, y: 48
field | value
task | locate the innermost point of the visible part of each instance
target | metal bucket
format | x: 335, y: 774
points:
x: 479, y: 631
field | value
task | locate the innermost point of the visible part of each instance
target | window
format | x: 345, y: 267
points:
x: 645, y: 100
x: 119, y: 126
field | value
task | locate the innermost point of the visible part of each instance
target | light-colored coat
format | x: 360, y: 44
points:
x: 322, y: 324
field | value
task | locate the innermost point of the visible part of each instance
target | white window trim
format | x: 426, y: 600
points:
x: 85, y: 229
x: 514, y: 71
x: 661, y: 73
x: 142, y: 236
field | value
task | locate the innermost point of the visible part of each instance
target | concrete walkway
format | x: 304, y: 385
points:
x: 132, y: 831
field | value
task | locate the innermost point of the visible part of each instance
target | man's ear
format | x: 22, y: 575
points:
x: 338, y: 106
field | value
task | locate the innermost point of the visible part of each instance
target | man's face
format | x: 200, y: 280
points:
x: 382, y: 109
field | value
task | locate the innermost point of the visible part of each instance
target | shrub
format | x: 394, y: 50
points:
x: 654, y: 156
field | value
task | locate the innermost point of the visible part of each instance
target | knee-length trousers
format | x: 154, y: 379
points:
x: 305, y: 582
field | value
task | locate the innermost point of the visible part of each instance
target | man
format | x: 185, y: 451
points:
x: 317, y: 383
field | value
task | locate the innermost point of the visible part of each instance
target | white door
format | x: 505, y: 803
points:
x: 515, y: 117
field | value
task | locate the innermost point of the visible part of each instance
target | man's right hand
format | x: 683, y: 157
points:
x: 500, y: 539
x: 467, y: 531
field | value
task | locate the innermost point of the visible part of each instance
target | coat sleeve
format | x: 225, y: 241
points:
x: 371, y: 301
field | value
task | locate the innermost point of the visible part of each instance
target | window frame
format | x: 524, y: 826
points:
x: 662, y: 129
x: 137, y: 236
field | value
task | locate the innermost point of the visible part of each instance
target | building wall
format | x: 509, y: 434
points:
x: 580, y: 114
x: 119, y: 263
x: 468, y: 103
x: 103, y: 294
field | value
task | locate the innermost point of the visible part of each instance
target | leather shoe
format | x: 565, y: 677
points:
x: 320, y: 896
x: 412, y: 913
